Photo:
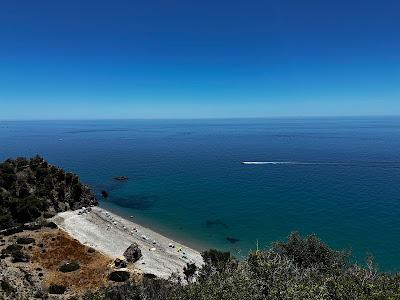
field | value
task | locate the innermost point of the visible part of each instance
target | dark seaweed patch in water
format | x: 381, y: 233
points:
x: 105, y: 187
x: 232, y: 240
x: 140, y: 202
x: 216, y: 222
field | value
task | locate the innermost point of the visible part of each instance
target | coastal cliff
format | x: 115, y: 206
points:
x: 33, y: 188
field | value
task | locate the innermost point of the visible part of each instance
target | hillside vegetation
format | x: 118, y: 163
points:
x: 299, y: 269
x: 32, y: 188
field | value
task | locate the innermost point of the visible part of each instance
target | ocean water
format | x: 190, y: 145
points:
x: 339, y: 177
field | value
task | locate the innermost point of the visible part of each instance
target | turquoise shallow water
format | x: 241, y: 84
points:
x: 187, y: 181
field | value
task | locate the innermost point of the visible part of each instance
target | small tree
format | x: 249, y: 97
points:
x: 189, y: 271
x: 216, y: 262
x: 311, y: 252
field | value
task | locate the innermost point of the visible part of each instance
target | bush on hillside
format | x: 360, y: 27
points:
x: 69, y: 267
x: 311, y: 252
x: 216, y: 262
x: 19, y: 256
x: 119, y: 276
x: 57, y: 289
x: 189, y: 271
x: 25, y: 240
x: 301, y: 268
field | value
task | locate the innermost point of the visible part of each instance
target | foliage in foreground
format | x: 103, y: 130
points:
x: 297, y: 269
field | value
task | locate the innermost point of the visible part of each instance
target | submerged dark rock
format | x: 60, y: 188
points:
x: 232, y: 239
x: 140, y: 202
x: 104, y: 193
x: 216, y: 222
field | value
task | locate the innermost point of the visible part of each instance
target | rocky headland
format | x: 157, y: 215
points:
x: 31, y: 189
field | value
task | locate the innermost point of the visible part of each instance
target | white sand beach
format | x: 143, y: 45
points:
x: 112, y: 235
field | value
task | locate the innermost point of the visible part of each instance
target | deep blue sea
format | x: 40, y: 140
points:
x: 186, y: 179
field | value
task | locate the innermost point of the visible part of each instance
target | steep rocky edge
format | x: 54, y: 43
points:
x: 31, y: 189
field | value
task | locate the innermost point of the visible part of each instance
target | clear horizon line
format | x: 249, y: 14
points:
x: 208, y: 118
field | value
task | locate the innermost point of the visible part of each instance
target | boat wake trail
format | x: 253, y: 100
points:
x: 366, y: 164
x: 282, y: 163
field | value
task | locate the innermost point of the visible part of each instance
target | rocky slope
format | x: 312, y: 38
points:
x: 49, y: 264
x: 33, y: 188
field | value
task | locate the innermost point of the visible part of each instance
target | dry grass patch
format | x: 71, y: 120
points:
x: 58, y: 249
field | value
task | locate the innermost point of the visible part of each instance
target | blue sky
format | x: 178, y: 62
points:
x: 198, y: 59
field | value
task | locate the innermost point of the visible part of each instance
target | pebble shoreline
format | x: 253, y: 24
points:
x: 112, y: 235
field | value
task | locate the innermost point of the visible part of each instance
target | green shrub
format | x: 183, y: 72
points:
x: 57, y: 289
x: 6, y: 287
x: 311, y: 252
x: 25, y: 240
x: 119, y: 276
x: 189, y: 271
x: 68, y: 178
x: 27, y: 209
x: 271, y: 275
x: 24, y: 191
x: 41, y: 173
x: 69, y: 267
x: 8, y: 180
x: 51, y: 225
x: 19, y: 256
x: 297, y: 269
x: 216, y: 262
x: 5, y: 219
x: 127, y: 291
x: 76, y: 191
x: 21, y: 162
x: 12, y: 247
x: 7, y: 167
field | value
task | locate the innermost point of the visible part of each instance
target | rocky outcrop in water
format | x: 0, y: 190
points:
x: 33, y: 188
